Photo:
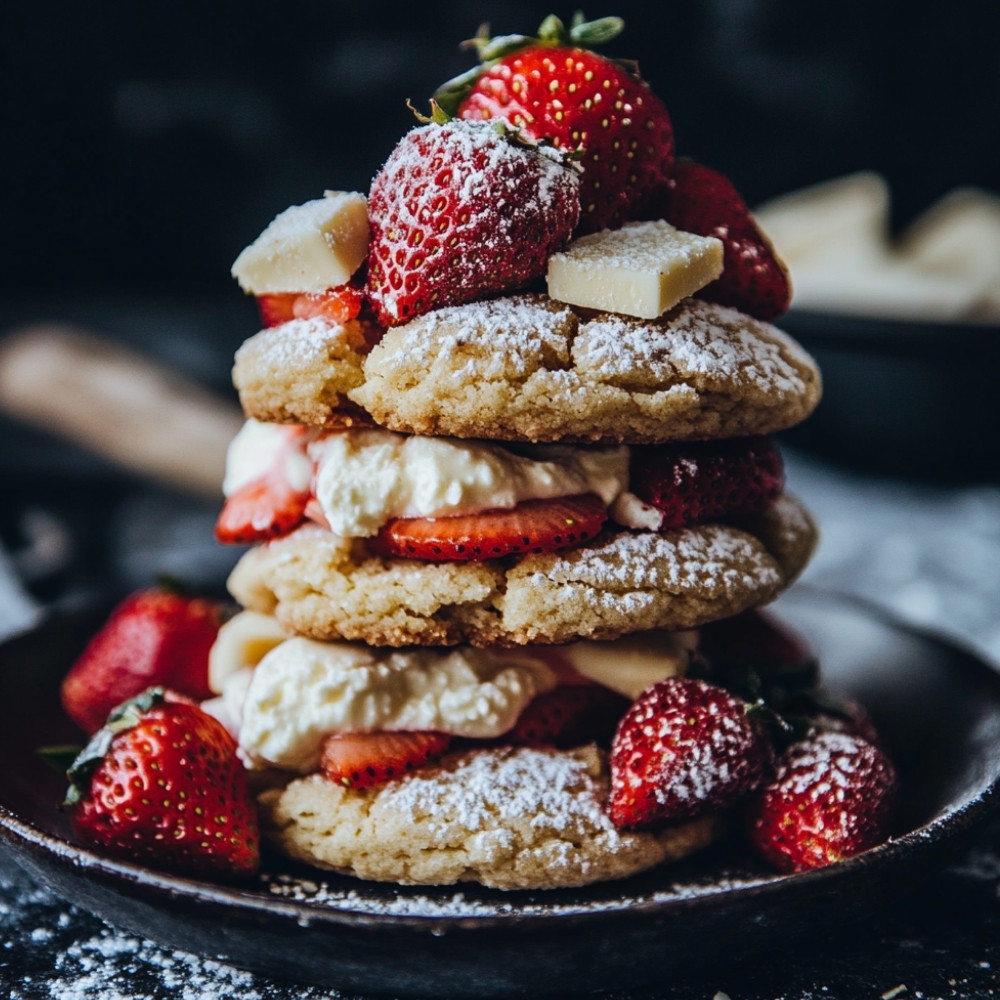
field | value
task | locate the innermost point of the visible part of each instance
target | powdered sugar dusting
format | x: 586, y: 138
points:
x: 304, y: 341
x: 520, y: 331
x: 560, y: 791
x: 709, y: 556
x: 697, y: 339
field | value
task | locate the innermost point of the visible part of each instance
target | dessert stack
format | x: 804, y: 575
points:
x: 513, y: 500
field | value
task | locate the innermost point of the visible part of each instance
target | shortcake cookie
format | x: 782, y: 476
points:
x: 324, y: 586
x: 301, y: 371
x: 511, y: 818
x: 531, y: 369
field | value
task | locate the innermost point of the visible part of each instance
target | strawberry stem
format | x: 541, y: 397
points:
x: 551, y: 32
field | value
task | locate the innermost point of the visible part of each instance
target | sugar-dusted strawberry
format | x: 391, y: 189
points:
x: 531, y: 526
x: 568, y: 716
x: 338, y: 305
x: 156, y: 636
x: 684, y: 749
x: 703, y: 480
x: 556, y: 89
x: 358, y: 760
x: 162, y: 784
x: 832, y: 797
x: 700, y: 200
x: 462, y: 211
x: 273, y: 502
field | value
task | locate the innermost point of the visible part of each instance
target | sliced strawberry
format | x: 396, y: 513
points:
x: 277, y: 308
x: 531, y: 526
x: 358, y: 760
x: 754, y: 279
x: 338, y: 304
x: 265, y: 508
x: 702, y: 480
x: 568, y: 716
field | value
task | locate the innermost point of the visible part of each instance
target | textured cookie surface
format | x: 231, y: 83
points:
x: 507, y: 818
x: 531, y: 369
x: 320, y: 585
x: 528, y: 368
x: 301, y: 372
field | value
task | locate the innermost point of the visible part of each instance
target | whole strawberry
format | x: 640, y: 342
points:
x: 699, y: 481
x: 554, y: 88
x: 832, y: 798
x: 155, y: 636
x: 684, y: 749
x: 462, y: 211
x: 754, y: 280
x: 162, y: 784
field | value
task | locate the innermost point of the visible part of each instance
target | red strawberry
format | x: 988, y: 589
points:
x: 531, y: 526
x: 338, y: 304
x: 700, y: 481
x: 684, y: 749
x: 755, y: 639
x: 568, y: 716
x: 832, y: 798
x: 161, y: 783
x: 703, y: 201
x: 266, y: 508
x: 154, y: 637
x: 362, y: 759
x: 555, y: 89
x: 462, y: 211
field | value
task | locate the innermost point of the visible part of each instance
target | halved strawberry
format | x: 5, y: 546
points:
x: 338, y: 304
x: 531, y: 526
x: 265, y: 508
x: 568, y: 716
x: 701, y: 480
x: 358, y: 760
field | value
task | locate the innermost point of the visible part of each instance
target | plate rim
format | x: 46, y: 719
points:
x: 941, y: 831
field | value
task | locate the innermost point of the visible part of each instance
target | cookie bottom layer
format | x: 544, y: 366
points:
x: 509, y: 818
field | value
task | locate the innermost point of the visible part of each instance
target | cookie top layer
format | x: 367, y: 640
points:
x: 326, y: 587
x: 504, y: 817
x: 528, y: 368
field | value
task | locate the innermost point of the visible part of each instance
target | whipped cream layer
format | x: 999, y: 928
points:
x: 363, y: 478
x: 281, y: 696
x: 260, y: 449
x: 303, y: 690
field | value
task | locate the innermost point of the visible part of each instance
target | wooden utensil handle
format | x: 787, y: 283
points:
x: 118, y: 404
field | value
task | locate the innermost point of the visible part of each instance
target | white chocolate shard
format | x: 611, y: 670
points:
x: 307, y: 248
x: 635, y: 662
x: 242, y: 642
x: 642, y: 269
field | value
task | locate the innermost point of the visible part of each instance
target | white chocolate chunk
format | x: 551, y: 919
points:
x: 307, y: 248
x: 635, y: 662
x: 642, y: 269
x: 242, y: 642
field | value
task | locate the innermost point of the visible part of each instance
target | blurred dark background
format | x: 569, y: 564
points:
x: 148, y: 142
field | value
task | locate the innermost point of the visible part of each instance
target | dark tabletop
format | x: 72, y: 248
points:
x: 941, y: 940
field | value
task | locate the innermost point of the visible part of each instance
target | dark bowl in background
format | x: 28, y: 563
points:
x: 903, y: 398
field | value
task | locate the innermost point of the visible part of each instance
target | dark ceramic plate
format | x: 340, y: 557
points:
x: 938, y: 708
x: 901, y: 397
